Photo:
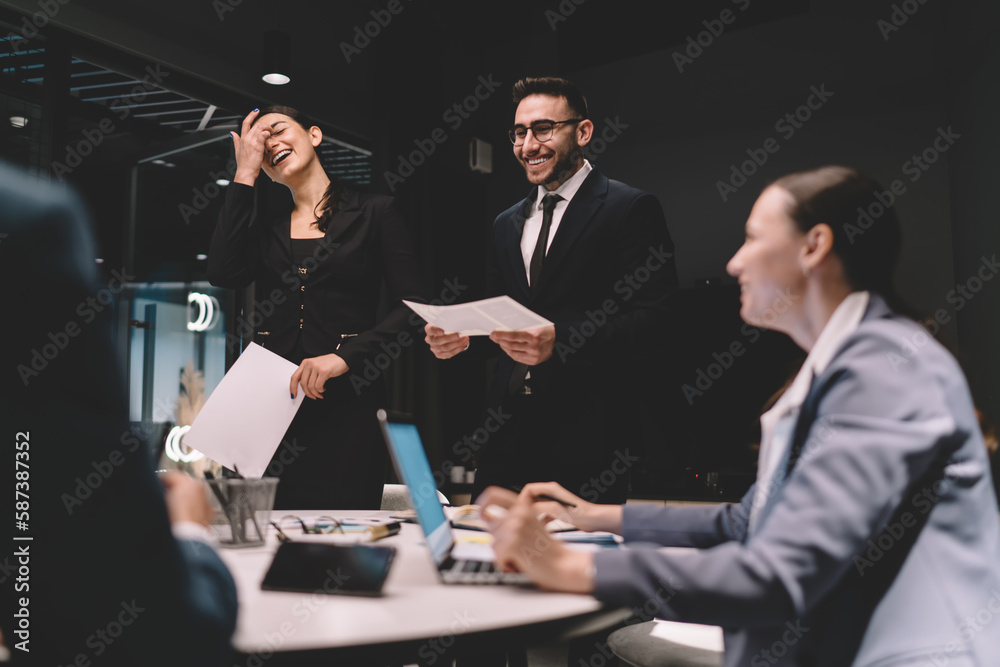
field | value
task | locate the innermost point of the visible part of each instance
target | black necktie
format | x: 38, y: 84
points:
x: 535, y: 268
x: 549, y: 202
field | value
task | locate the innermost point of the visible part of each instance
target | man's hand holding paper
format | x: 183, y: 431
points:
x: 523, y: 334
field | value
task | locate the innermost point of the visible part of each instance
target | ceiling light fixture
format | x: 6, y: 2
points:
x: 18, y: 121
x: 277, y: 57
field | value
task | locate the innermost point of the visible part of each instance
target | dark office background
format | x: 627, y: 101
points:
x: 675, y: 116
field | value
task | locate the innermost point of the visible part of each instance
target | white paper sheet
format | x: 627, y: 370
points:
x: 479, y: 318
x: 477, y: 547
x: 242, y: 423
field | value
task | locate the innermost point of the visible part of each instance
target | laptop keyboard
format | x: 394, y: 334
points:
x: 479, y: 572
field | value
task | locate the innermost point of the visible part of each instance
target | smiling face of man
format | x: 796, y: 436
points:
x: 553, y: 161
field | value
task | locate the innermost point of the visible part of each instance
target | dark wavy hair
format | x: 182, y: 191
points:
x: 329, y: 204
x: 866, y: 234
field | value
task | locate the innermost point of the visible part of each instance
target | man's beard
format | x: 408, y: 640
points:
x: 565, y: 167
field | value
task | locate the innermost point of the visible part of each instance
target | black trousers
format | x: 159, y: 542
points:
x: 333, y: 455
x: 544, y: 440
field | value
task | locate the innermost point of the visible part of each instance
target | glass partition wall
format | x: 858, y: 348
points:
x: 176, y: 347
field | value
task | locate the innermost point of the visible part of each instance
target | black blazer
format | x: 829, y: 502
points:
x: 605, y: 283
x: 366, y: 242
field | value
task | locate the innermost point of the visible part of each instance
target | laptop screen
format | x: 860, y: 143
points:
x: 411, y: 464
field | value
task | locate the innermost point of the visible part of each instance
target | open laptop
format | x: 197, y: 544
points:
x: 410, y: 460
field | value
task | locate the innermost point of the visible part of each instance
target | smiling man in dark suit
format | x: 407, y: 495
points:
x: 593, y: 256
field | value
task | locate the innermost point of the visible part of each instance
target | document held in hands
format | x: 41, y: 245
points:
x: 242, y: 422
x: 479, y: 318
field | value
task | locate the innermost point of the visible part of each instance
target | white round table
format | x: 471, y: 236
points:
x: 416, y: 619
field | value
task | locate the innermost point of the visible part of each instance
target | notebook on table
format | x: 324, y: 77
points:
x: 410, y: 461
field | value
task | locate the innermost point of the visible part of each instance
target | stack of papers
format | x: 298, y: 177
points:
x: 479, y: 318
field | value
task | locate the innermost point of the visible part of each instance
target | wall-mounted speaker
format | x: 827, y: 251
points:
x: 481, y: 156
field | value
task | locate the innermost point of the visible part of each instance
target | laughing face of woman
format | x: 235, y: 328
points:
x: 290, y: 150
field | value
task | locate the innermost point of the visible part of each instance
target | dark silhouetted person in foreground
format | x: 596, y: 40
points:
x: 106, y: 581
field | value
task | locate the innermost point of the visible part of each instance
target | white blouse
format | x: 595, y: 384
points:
x: 777, y: 424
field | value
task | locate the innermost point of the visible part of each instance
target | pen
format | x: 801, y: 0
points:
x: 385, y: 530
x: 227, y: 511
x: 545, y: 496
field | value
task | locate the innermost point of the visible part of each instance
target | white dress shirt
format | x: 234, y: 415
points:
x: 778, y: 423
x: 533, y: 224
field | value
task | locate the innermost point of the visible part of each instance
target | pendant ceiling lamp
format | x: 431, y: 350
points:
x: 277, y: 59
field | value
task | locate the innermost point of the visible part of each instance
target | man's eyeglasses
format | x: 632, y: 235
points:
x: 540, y: 129
x: 291, y: 524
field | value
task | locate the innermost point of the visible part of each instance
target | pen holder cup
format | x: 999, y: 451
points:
x: 242, y: 509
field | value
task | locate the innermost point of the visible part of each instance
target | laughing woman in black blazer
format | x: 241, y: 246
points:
x: 318, y: 271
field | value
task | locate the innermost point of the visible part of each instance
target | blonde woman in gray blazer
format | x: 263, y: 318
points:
x: 872, y: 535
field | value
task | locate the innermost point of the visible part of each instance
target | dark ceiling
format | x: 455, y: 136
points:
x: 216, y: 46
x: 416, y: 58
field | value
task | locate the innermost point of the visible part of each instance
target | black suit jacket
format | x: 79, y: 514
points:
x: 365, y: 243
x: 605, y: 283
